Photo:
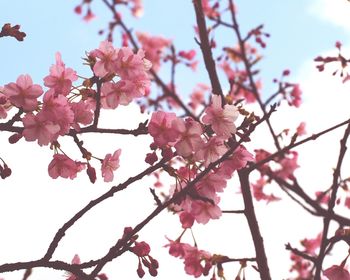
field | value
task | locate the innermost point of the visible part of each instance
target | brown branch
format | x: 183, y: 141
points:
x: 206, y: 50
x: 249, y: 71
x: 62, y: 231
x: 299, y: 253
x: 119, y: 247
x: 258, y: 241
x: 296, y: 144
x: 319, y: 211
x: 331, y: 203
x: 57, y: 265
x: 155, y: 76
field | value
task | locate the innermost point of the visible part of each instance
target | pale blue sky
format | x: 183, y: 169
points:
x: 296, y: 34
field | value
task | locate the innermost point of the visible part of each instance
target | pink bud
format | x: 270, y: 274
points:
x: 78, y: 10
x: 338, y: 44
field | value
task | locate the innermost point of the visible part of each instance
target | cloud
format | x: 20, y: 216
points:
x: 336, y: 12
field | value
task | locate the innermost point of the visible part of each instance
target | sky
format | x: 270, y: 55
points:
x: 33, y: 204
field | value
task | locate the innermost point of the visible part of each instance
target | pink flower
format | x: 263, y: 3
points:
x: 337, y: 272
x: 177, y: 249
x: 211, y: 184
x: 193, y: 261
x: 106, y: 56
x: 238, y: 160
x: 301, y: 129
x: 322, y: 197
x: 137, y: 8
x: 186, y: 219
x: 258, y: 191
x: 211, y: 151
x: 57, y: 109
x: 221, y: 119
x: 75, y: 260
x: 113, y: 94
x: 153, y: 47
x: 205, y: 211
x: 63, y: 166
x: 141, y: 249
x: 109, y: 165
x: 209, y: 10
x: 190, y: 133
x: 5, y: 104
x: 23, y: 94
x: 37, y: 127
x: 83, y: 113
x: 197, y: 96
x: 189, y: 55
x: 130, y: 65
x: 60, y: 78
x: 301, y: 266
x: 160, y: 128
x: 89, y: 15
x: 311, y: 245
x: 288, y: 164
x: 193, y: 257
x: 295, y: 96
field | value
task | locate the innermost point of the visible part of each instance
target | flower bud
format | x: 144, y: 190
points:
x: 91, y: 172
x: 14, y: 138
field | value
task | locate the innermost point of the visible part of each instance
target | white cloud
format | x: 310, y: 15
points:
x: 336, y: 12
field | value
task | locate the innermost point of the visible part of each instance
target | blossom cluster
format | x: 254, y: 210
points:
x: 119, y: 76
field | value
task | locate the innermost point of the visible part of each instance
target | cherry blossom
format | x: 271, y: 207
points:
x: 113, y: 94
x: 5, y: 104
x: 190, y: 139
x: 153, y: 47
x: 57, y: 109
x: 160, y: 128
x: 211, y: 151
x: 238, y: 160
x: 288, y: 164
x: 193, y: 258
x: 129, y: 65
x: 205, y: 211
x: 197, y: 96
x: 109, y: 165
x: 295, y: 96
x: 186, y: 219
x: 60, y: 78
x: 337, y: 272
x: 23, y: 94
x: 221, y: 119
x: 105, y: 56
x: 63, y: 166
x: 137, y: 8
x: 37, y: 127
x: 83, y: 113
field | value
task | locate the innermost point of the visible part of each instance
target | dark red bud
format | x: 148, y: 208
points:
x: 153, y: 272
x: 6, y: 172
x: 91, y: 172
x: 14, y: 138
x: 151, y: 158
x: 140, y: 271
